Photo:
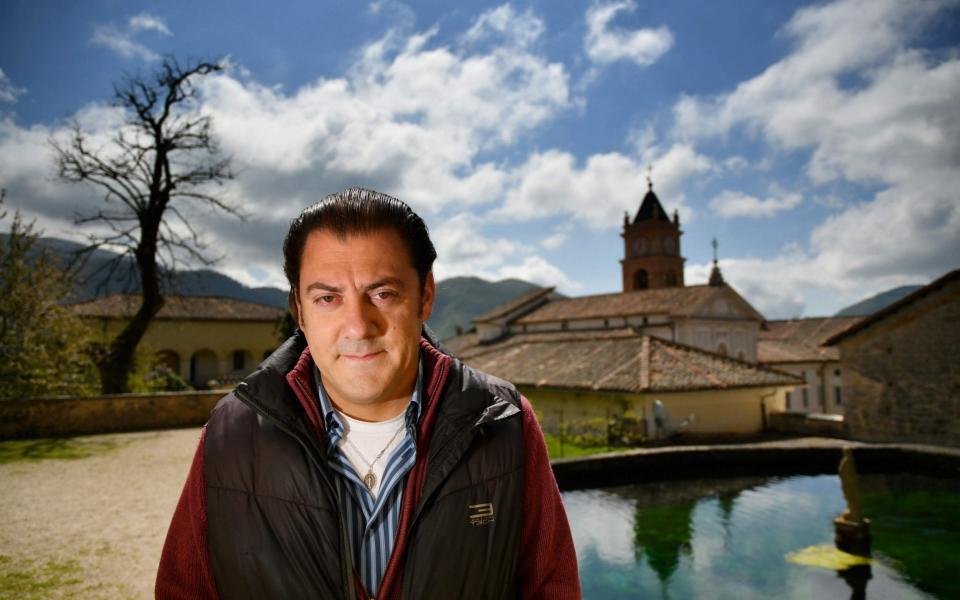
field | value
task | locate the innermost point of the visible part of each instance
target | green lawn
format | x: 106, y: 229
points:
x: 40, y: 449
x: 567, y: 450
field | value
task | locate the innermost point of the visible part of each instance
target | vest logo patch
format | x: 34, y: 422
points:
x: 481, y: 514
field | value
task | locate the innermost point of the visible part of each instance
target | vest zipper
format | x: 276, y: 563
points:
x: 350, y: 593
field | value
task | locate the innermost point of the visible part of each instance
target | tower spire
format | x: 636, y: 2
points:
x: 650, y: 177
x: 716, y: 277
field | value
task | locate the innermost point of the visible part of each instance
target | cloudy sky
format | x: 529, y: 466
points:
x: 818, y: 142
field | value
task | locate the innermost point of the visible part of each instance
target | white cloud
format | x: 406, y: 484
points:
x: 873, y: 111
x: 558, y: 238
x: 8, y: 91
x: 537, y: 270
x: 121, y: 39
x: 737, y: 204
x: 736, y: 163
x: 147, y: 22
x: 408, y: 117
x: 605, y: 44
x: 597, y: 193
x: 503, y: 22
x: 463, y: 250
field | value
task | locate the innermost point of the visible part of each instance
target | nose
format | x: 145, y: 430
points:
x: 361, y: 319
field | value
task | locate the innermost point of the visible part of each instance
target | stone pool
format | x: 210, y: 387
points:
x: 765, y: 537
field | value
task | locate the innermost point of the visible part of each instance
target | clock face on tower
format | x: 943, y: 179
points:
x: 668, y: 246
x: 639, y: 247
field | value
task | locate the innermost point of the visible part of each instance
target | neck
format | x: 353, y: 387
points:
x: 373, y: 413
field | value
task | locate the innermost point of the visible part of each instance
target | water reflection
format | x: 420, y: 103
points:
x: 728, y: 538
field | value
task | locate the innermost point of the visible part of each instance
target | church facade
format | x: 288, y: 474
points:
x: 693, y: 348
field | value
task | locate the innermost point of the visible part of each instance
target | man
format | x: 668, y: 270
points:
x: 360, y: 459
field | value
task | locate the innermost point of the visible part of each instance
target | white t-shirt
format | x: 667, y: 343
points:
x: 370, y: 438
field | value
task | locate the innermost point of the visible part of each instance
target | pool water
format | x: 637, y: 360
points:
x: 731, y: 538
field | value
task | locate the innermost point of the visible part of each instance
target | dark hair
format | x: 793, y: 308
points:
x: 357, y: 211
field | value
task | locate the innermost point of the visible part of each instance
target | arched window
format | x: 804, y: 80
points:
x: 242, y: 360
x: 203, y: 368
x: 170, y: 359
x: 722, y: 350
x: 671, y: 279
x: 641, y: 280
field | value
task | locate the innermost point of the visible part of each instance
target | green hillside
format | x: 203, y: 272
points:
x: 460, y: 299
x: 877, y: 302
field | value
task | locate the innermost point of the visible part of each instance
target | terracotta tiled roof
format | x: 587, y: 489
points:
x: 458, y: 343
x: 800, y: 340
x: 618, y: 361
x: 213, y: 308
x: 672, y: 301
x: 513, y: 304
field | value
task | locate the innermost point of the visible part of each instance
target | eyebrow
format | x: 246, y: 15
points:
x: 319, y: 285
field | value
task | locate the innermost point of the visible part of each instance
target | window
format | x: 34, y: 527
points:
x: 837, y: 372
x: 238, y: 360
x: 789, y: 397
x: 806, y: 399
x: 722, y: 350
x: 837, y: 395
x: 640, y: 280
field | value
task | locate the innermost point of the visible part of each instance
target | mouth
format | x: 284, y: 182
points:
x: 362, y: 358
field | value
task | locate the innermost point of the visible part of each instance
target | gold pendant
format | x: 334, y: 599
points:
x: 370, y: 480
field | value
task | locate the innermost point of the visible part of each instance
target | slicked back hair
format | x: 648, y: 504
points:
x: 357, y: 211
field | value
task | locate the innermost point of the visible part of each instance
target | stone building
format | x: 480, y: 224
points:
x: 694, y: 347
x: 588, y: 375
x: 901, y: 368
x: 796, y: 346
x: 203, y: 339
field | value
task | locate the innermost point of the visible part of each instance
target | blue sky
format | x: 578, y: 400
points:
x: 819, y: 142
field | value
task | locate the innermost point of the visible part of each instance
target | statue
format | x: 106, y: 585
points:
x: 852, y: 530
x: 851, y: 487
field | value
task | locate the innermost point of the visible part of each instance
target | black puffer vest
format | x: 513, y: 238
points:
x: 275, y: 529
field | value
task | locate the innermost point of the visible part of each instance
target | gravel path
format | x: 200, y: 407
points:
x: 91, y: 527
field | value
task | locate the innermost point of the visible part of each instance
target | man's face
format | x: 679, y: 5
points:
x: 361, y: 309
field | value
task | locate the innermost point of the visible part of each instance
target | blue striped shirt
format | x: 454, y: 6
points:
x: 371, y: 523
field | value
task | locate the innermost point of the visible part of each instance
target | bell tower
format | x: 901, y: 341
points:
x: 651, y: 247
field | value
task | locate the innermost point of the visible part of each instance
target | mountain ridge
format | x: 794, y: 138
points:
x: 459, y: 299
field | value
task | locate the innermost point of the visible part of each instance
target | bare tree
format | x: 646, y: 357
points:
x: 163, y: 157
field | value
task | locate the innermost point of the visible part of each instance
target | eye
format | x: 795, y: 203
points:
x: 325, y: 299
x: 384, y: 295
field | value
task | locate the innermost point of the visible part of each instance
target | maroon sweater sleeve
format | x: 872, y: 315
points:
x: 184, y: 571
x: 548, y: 563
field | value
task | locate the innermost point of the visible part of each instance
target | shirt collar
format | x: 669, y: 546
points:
x: 331, y: 418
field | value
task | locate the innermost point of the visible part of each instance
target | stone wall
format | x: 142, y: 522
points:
x: 731, y: 411
x: 902, y: 374
x: 52, y: 417
x: 801, y: 423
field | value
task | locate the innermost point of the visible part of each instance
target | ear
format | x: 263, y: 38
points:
x: 427, y: 297
x: 293, y: 301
